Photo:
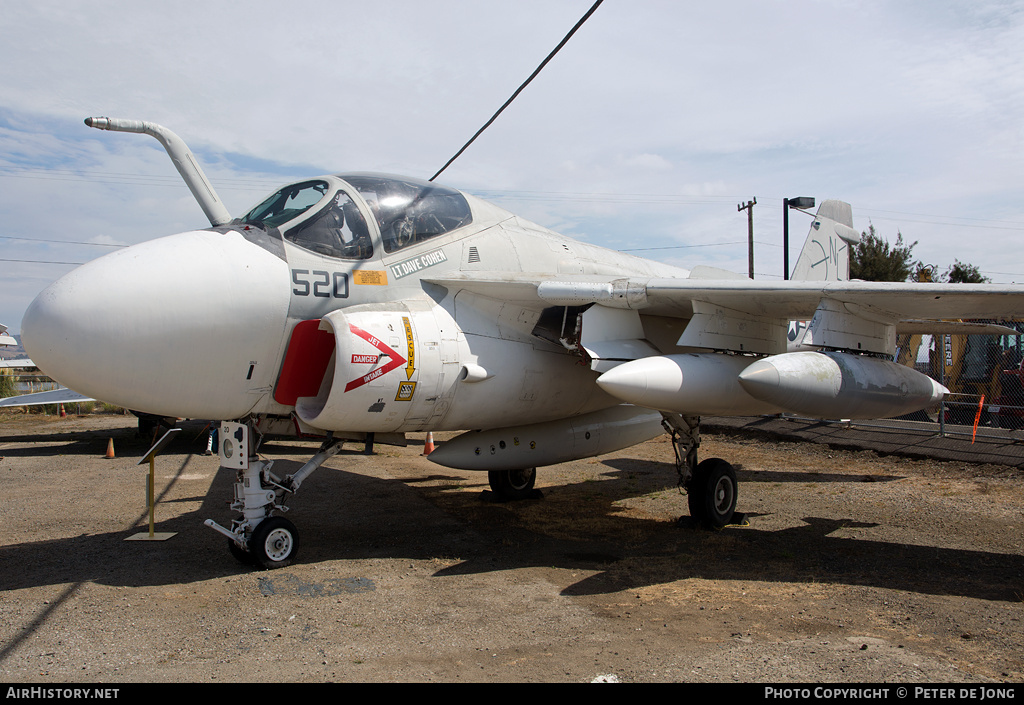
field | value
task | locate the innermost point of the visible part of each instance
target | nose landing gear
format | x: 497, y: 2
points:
x: 274, y: 543
x: 259, y: 537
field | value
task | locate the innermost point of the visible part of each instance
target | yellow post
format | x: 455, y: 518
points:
x: 152, y: 498
x: 151, y: 491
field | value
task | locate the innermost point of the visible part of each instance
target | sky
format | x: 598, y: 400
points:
x: 644, y: 134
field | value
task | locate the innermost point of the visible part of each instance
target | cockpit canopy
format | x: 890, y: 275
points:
x: 327, y: 215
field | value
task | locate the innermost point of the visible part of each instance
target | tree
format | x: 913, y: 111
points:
x: 872, y: 259
x: 963, y: 273
x: 958, y: 273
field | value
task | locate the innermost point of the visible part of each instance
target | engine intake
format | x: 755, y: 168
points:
x: 386, y: 371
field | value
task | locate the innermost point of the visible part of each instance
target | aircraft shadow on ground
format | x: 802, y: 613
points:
x: 743, y: 475
x: 127, y: 442
x: 802, y: 554
x: 344, y: 515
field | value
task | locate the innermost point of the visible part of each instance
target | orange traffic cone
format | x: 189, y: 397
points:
x: 63, y: 415
x: 110, y: 448
x: 428, y: 446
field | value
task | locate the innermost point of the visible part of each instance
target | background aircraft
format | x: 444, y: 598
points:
x: 367, y: 306
x: 52, y: 396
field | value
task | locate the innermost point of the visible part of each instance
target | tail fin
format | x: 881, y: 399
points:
x: 826, y: 253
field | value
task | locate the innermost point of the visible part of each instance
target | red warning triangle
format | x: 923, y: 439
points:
x: 394, y: 359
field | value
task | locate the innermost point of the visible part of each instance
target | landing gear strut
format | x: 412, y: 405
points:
x: 711, y: 485
x: 258, y: 536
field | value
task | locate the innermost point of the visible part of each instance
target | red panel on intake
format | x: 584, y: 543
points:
x: 305, y: 362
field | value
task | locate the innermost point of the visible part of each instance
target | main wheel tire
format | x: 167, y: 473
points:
x: 512, y: 484
x: 274, y: 543
x: 712, y: 493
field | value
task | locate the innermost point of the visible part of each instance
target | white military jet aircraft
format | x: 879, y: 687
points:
x: 366, y: 306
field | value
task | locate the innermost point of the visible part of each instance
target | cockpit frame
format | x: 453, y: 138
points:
x: 354, y: 216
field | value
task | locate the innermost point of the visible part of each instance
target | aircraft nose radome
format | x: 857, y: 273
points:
x: 188, y: 325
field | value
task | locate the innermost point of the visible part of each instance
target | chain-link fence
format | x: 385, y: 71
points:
x: 982, y: 372
x: 980, y: 422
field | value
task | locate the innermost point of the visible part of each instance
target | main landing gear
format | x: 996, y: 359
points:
x: 259, y: 537
x: 513, y: 484
x: 710, y: 486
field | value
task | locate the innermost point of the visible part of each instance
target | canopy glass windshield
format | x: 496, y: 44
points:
x: 287, y: 204
x: 409, y: 211
x: 336, y: 230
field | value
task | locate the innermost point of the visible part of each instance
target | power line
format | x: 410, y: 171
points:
x: 681, y: 200
x: 242, y: 184
x: 638, y: 198
x: 703, y: 244
x: 682, y: 247
x: 102, y: 177
x: 37, y: 261
x: 520, y: 89
x: 980, y: 224
x: 60, y: 242
x: 956, y: 217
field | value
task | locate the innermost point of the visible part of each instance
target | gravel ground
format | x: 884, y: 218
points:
x: 853, y: 568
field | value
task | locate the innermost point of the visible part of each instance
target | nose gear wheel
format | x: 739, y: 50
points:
x: 274, y: 543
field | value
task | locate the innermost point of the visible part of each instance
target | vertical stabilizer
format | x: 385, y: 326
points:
x: 826, y: 252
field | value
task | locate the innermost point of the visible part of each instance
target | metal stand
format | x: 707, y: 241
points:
x: 150, y: 492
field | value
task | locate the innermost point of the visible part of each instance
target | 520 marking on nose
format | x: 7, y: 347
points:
x: 320, y: 283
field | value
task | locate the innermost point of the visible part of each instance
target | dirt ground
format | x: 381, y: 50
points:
x: 853, y: 568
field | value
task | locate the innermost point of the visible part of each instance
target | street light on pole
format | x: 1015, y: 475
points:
x: 800, y: 203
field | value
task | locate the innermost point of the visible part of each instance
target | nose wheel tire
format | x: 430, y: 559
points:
x: 240, y: 554
x: 274, y: 543
x: 513, y: 484
x: 712, y: 493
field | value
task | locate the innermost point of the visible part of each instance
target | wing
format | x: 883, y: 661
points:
x: 63, y: 395
x: 672, y: 344
x: 743, y: 315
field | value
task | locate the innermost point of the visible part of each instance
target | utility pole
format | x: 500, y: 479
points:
x: 749, y: 208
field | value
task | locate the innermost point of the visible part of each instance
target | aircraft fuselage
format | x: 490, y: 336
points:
x: 205, y: 320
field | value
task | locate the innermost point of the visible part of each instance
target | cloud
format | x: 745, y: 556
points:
x: 911, y: 111
x: 647, y: 162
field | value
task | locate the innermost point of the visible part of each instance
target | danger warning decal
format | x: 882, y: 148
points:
x: 394, y: 359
